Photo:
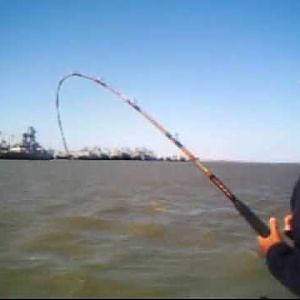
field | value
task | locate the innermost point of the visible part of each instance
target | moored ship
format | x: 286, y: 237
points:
x: 28, y: 149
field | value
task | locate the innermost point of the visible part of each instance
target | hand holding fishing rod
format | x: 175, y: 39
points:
x: 253, y: 220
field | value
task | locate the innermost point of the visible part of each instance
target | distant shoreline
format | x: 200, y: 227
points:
x: 163, y: 161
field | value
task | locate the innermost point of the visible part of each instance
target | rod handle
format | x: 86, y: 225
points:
x: 259, y: 226
x: 289, y: 234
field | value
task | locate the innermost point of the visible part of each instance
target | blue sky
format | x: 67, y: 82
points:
x: 224, y: 75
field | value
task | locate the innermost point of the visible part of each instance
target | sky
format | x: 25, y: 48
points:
x: 223, y: 75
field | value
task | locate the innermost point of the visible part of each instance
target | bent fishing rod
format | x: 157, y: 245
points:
x: 253, y: 220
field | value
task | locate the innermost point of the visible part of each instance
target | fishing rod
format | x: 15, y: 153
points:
x: 253, y: 220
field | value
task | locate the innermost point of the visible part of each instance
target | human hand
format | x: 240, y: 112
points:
x: 275, y: 237
x: 288, y: 226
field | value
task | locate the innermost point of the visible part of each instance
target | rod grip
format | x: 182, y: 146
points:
x: 254, y: 221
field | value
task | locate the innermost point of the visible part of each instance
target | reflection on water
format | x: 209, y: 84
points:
x: 135, y: 229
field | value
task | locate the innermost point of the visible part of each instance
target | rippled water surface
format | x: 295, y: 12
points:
x: 135, y: 229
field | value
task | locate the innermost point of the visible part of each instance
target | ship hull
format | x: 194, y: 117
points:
x: 26, y: 156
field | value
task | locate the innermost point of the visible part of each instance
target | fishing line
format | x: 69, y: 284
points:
x: 253, y: 220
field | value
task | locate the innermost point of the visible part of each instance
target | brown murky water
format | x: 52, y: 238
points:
x: 135, y: 229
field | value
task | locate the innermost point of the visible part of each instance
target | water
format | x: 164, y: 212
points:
x: 135, y: 229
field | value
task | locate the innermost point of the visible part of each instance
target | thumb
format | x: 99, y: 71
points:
x: 274, y: 228
x: 288, y: 222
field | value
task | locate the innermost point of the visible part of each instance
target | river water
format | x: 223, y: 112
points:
x: 135, y: 229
